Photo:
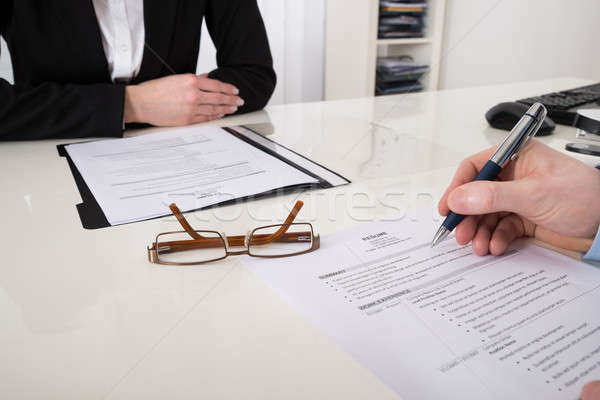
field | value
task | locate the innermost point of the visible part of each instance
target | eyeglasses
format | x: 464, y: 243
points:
x: 272, y: 241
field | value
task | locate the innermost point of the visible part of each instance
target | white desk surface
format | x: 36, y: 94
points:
x: 84, y: 315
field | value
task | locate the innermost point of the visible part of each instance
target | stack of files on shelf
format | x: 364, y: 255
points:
x: 399, y: 75
x: 401, y: 18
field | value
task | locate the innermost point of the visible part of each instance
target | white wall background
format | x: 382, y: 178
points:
x: 519, y: 40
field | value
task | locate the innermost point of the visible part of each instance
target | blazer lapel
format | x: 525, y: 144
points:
x: 159, y: 21
x: 81, y: 17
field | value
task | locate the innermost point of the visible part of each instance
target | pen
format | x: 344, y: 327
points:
x: 508, y: 150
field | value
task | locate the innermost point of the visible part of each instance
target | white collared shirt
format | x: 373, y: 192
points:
x: 123, y: 35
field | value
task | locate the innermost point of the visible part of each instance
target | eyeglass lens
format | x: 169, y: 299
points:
x: 298, y: 238
x: 182, y: 248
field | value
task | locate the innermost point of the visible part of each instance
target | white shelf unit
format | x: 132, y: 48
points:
x: 389, y: 42
x: 352, y: 47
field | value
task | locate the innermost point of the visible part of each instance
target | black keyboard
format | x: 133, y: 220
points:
x: 562, y: 106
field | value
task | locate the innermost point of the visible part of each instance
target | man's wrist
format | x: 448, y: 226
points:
x: 593, y: 254
x: 594, y: 206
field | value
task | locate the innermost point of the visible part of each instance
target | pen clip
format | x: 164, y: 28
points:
x: 538, y: 112
x: 522, y: 145
x: 520, y: 135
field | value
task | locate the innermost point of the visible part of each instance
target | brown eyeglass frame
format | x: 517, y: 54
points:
x: 221, y: 240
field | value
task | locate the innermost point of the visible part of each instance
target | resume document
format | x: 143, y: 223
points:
x: 444, y: 322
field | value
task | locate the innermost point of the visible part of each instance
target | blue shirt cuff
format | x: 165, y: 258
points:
x: 594, y: 253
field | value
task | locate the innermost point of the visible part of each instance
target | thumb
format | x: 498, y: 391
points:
x: 591, y: 391
x: 485, y: 197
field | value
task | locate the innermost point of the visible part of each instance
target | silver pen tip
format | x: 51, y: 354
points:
x: 440, y: 235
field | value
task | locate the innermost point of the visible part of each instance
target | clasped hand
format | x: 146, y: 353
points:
x: 180, y: 100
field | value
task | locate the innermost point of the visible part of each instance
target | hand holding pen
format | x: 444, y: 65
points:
x: 542, y: 193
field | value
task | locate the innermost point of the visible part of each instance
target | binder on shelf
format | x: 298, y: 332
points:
x: 92, y: 216
x: 396, y: 75
x: 401, y: 19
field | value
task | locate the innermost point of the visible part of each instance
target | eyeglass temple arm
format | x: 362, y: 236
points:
x: 235, y: 239
x: 188, y: 228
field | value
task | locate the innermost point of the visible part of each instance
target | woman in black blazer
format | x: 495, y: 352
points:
x: 63, y: 87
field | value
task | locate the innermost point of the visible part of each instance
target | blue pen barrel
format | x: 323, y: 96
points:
x: 489, y: 172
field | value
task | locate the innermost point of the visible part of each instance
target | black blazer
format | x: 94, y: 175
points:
x: 62, y: 82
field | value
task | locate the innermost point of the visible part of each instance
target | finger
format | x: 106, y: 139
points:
x: 220, y: 99
x: 466, y: 172
x: 481, y: 241
x: 508, y: 229
x: 206, y: 109
x: 465, y: 231
x: 213, y: 85
x: 487, y: 197
x: 591, y: 391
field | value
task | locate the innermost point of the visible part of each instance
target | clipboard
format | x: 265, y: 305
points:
x: 92, y: 217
